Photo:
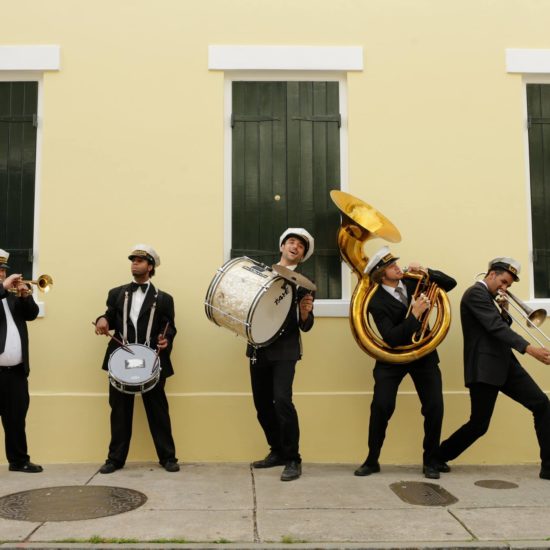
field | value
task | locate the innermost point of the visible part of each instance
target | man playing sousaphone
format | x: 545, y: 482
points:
x: 272, y: 367
x: 397, y: 316
x: 140, y: 314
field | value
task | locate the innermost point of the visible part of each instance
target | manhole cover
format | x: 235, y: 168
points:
x: 496, y: 484
x: 424, y: 494
x: 69, y: 503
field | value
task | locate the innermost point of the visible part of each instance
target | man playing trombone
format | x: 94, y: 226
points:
x: 491, y: 367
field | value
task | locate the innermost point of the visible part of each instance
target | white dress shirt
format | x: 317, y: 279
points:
x: 13, y: 352
x: 138, y: 297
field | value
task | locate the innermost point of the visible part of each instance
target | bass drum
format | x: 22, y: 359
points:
x: 137, y: 373
x: 249, y: 299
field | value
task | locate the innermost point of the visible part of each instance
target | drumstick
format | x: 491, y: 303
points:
x: 119, y: 342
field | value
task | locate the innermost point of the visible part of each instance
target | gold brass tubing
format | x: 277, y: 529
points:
x: 432, y: 296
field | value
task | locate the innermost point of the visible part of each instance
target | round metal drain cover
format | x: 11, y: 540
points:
x: 423, y: 494
x: 69, y: 503
x: 496, y: 484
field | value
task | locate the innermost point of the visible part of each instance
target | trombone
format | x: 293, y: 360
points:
x: 43, y: 283
x: 533, y: 317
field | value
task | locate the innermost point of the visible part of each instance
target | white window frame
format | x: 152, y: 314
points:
x: 534, y: 66
x: 287, y: 63
x: 27, y: 64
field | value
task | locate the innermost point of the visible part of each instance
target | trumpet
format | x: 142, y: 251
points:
x: 533, y: 317
x: 43, y: 283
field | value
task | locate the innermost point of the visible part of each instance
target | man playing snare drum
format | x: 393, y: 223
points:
x: 140, y: 314
x: 272, y: 367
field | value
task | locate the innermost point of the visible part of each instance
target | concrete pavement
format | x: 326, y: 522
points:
x: 208, y: 505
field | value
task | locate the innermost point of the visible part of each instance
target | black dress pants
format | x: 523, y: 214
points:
x: 14, y: 404
x: 520, y: 387
x: 272, y: 393
x: 427, y: 381
x: 158, y: 417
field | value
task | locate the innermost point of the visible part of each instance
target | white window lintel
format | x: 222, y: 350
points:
x: 30, y: 58
x: 527, y: 61
x: 285, y: 58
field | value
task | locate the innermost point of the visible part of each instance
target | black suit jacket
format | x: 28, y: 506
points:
x: 287, y: 346
x: 164, y: 313
x: 488, y: 338
x: 22, y: 310
x: 389, y: 315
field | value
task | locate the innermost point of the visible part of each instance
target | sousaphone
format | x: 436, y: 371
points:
x: 360, y: 222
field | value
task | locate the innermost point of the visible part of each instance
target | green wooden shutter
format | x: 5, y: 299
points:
x: 538, y: 109
x: 286, y: 159
x: 18, y: 106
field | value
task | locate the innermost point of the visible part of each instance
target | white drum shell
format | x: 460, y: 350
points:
x: 249, y: 299
x: 141, y: 377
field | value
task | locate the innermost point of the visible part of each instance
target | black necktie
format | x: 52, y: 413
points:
x: 135, y: 286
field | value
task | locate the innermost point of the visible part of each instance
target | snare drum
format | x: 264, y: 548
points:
x: 136, y: 373
x: 248, y: 298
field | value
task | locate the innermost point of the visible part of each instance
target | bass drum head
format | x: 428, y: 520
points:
x: 269, y: 312
x: 133, y: 370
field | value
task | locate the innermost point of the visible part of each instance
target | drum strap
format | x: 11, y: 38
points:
x: 149, y: 324
x: 125, y: 319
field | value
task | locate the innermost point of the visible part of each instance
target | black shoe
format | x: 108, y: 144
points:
x: 293, y: 470
x: 171, y: 466
x: 443, y: 467
x: 109, y: 468
x: 431, y: 472
x: 27, y: 467
x: 367, y: 469
x: 271, y: 460
x: 544, y: 473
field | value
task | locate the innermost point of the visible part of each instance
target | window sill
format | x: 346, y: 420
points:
x: 41, y: 309
x: 331, y: 308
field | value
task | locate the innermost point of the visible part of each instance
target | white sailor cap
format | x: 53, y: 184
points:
x: 145, y: 251
x: 303, y: 235
x: 509, y: 264
x: 382, y: 258
x: 4, y: 256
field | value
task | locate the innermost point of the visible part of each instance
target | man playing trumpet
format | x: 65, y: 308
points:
x: 398, y: 318
x: 15, y: 311
x: 491, y: 367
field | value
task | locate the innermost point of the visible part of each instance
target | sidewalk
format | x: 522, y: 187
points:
x: 232, y: 506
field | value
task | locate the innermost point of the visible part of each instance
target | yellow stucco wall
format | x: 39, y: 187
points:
x: 133, y: 151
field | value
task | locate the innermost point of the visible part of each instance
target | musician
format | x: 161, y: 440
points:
x: 388, y: 307
x: 139, y: 313
x: 272, y: 367
x: 491, y: 367
x: 15, y: 311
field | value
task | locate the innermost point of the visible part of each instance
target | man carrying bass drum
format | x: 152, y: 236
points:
x: 272, y: 367
x: 140, y: 314
x: 389, y: 307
